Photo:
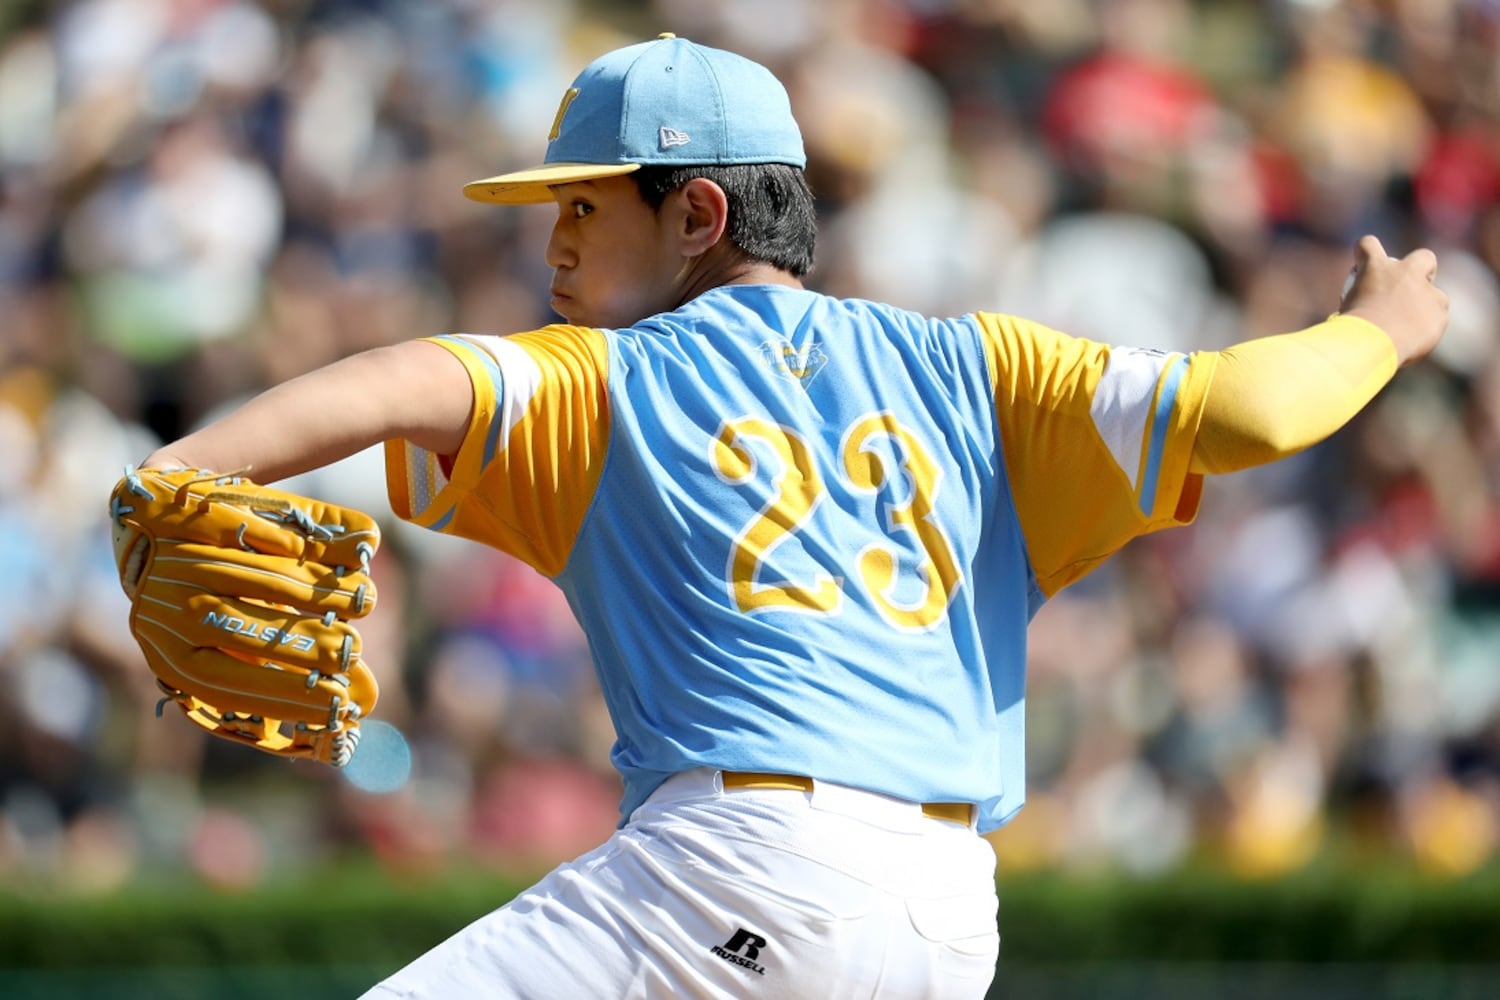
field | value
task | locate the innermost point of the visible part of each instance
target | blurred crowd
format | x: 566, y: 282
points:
x: 199, y: 198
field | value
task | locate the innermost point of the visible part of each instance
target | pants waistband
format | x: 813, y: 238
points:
x: 951, y: 812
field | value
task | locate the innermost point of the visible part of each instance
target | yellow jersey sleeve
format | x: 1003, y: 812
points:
x: 1275, y: 396
x: 531, y: 459
x: 1097, y: 441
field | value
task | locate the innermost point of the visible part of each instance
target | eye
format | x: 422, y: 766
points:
x: 581, y: 209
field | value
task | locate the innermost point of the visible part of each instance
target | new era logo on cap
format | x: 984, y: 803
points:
x: 671, y: 137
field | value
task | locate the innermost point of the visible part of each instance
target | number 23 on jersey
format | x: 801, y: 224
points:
x: 798, y: 487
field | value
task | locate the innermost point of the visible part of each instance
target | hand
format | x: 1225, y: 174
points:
x: 1399, y: 296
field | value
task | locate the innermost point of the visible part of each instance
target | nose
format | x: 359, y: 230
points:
x: 559, y: 251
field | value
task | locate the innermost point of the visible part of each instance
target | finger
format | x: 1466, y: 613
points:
x: 1425, y: 261
x: 1368, y: 249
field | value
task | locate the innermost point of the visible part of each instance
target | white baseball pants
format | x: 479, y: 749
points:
x: 781, y: 894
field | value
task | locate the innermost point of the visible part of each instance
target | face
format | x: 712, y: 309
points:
x: 613, y: 260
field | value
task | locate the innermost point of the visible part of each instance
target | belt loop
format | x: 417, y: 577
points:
x: 761, y: 779
x: 950, y: 812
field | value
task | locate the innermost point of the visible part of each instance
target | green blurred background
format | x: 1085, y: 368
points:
x: 1348, y: 934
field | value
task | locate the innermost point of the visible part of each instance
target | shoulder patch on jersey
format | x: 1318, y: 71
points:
x: 792, y: 364
x: 1124, y: 402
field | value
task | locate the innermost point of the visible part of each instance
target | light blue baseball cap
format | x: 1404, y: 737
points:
x: 664, y: 102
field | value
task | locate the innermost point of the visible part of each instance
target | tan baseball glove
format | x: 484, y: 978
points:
x: 242, y: 598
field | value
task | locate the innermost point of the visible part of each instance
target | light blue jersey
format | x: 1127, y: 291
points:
x: 806, y: 535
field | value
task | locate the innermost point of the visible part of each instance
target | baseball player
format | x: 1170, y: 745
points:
x: 804, y: 536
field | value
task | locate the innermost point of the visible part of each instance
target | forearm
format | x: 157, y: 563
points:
x: 413, y: 390
x: 1275, y: 396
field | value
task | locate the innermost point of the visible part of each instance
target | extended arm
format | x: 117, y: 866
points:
x: 415, y: 390
x: 1273, y: 397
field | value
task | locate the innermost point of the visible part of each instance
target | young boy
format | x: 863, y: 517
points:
x: 803, y: 535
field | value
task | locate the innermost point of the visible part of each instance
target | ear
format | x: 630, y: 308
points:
x: 702, y: 216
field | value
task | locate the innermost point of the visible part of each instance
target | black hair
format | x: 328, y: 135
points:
x: 771, y: 215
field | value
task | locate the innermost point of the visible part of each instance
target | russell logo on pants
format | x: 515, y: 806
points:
x: 742, y: 949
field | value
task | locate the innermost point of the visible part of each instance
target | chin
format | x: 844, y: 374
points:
x: 577, y: 314
x: 581, y: 317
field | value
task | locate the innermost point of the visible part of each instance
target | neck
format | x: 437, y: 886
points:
x: 703, y: 274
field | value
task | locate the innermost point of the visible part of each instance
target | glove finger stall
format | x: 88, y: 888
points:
x: 274, y: 736
x: 228, y: 682
x: 272, y: 533
x: 259, y: 632
x: 239, y: 514
x: 309, y: 587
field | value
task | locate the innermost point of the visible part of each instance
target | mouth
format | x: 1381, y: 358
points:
x: 561, y: 303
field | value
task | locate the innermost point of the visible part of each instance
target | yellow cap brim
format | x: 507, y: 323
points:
x: 534, y: 186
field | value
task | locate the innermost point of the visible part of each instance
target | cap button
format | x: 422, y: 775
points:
x: 667, y: 34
